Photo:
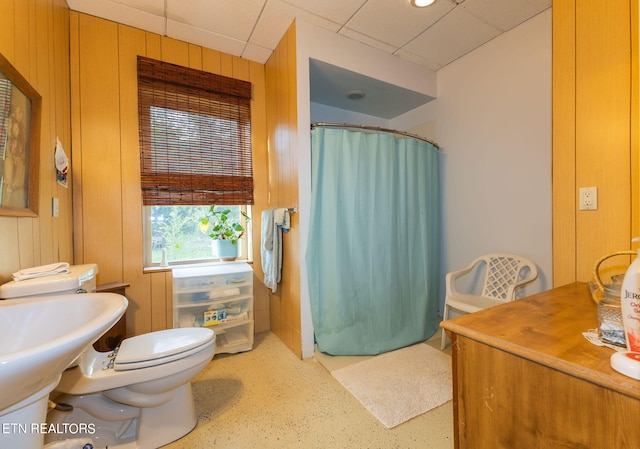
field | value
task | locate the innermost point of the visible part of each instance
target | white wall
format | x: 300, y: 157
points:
x: 324, y: 113
x: 493, y: 124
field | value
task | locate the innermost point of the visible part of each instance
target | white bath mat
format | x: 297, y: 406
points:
x: 401, y: 384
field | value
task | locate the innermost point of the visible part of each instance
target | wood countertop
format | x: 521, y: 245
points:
x: 546, y: 328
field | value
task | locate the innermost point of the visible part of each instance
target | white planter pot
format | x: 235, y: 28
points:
x: 225, y: 250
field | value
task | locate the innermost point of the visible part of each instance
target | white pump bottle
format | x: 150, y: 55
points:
x: 628, y: 363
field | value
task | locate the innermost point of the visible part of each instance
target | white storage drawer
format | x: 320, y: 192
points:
x: 216, y: 294
x: 203, y: 277
x: 196, y: 314
x: 237, y: 338
x: 219, y: 296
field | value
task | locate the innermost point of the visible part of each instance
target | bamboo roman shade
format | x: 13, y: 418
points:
x: 195, y: 136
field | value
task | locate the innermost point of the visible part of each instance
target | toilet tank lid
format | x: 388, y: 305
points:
x: 49, y: 285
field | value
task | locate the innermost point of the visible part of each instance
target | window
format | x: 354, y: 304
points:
x: 195, y: 150
x: 175, y: 230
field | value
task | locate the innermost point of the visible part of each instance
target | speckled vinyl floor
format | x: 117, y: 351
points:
x: 268, y: 398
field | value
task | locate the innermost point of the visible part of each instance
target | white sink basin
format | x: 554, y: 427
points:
x: 41, y: 336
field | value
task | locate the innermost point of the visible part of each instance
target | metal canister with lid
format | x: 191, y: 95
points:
x: 610, y: 326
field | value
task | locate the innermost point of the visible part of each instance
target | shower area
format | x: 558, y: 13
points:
x: 373, y: 248
x: 315, y: 82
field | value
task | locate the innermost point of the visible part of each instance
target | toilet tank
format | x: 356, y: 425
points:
x: 80, y: 279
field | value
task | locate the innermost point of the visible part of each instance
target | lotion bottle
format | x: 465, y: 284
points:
x: 628, y: 363
x: 630, y: 303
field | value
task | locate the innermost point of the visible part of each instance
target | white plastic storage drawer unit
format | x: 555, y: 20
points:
x: 219, y: 296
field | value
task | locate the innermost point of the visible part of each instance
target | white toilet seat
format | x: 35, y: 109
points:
x: 160, y: 347
x: 95, y: 372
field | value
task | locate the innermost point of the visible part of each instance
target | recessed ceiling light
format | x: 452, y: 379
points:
x: 355, y: 95
x: 421, y: 3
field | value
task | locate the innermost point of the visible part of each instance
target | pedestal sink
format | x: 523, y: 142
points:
x: 39, y: 338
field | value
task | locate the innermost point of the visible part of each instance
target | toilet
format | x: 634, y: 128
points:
x: 135, y: 397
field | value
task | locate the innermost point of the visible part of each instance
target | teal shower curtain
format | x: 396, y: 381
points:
x: 374, y: 239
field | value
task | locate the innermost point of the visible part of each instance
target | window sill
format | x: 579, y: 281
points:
x: 147, y: 270
x: 159, y: 269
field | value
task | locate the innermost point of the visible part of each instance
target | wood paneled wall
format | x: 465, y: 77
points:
x: 34, y: 37
x: 107, y: 199
x: 595, y: 133
x: 282, y: 122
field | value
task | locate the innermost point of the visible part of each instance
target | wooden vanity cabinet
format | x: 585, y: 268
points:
x: 525, y: 377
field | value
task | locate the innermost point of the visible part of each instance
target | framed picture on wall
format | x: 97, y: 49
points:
x: 20, y: 109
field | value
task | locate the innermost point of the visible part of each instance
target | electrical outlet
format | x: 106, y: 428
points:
x: 588, y: 198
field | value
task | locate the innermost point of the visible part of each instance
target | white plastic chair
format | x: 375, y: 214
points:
x: 504, y: 274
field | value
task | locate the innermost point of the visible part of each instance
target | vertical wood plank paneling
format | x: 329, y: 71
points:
x: 195, y: 57
x: 564, y: 146
x: 10, y: 260
x: 25, y: 250
x: 241, y: 69
x: 273, y: 119
x: 174, y: 51
x: 154, y: 46
x: 7, y: 29
x: 284, y: 150
x: 33, y: 50
x: 29, y: 230
x: 211, y: 60
x: 158, y: 308
x: 293, y: 237
x: 168, y: 294
x: 635, y: 119
x: 594, y: 134
x: 22, y: 38
x: 226, y: 64
x: 64, y: 221
x: 259, y: 158
x: 101, y: 163
x: 43, y: 241
x: 603, y: 120
x: 132, y: 42
x: 261, y: 189
x: 9, y: 225
x: 49, y: 188
x: 76, y: 137
x: 28, y: 29
x: 283, y: 187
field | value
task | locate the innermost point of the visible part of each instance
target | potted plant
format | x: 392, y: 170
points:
x: 225, y: 229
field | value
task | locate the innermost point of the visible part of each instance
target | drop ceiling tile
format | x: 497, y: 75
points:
x: 276, y: 19
x: 198, y: 36
x: 155, y: 7
x: 231, y: 18
x: 424, y: 62
x: 445, y: 41
x: 336, y: 11
x: 351, y: 34
x: 505, y: 14
x: 256, y: 53
x: 396, y: 22
x: 121, y: 13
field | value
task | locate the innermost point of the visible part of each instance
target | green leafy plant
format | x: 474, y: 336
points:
x: 222, y: 224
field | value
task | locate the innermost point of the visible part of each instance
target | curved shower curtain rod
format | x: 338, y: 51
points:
x: 375, y: 128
